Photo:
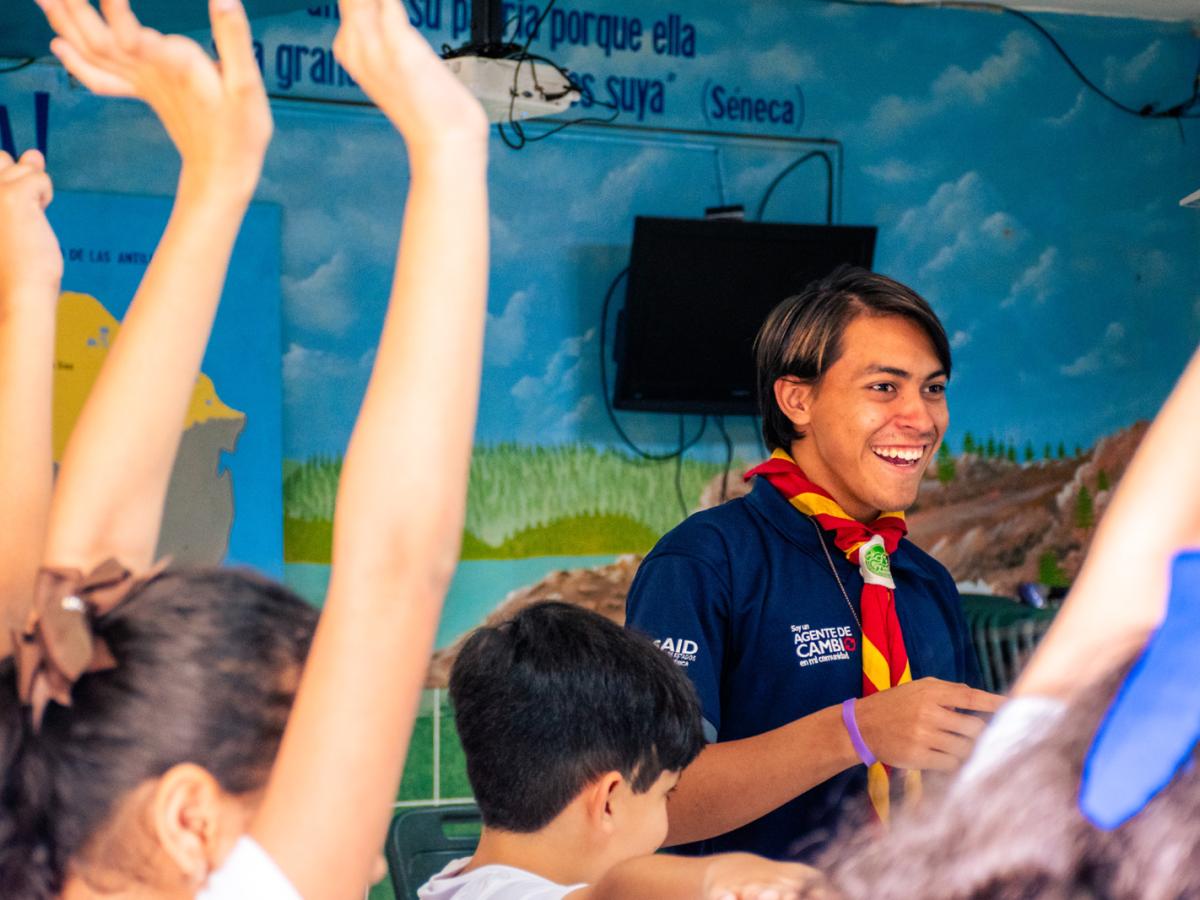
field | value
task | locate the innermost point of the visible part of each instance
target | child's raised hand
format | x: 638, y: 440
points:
x: 399, y: 71
x: 31, y: 262
x: 744, y: 876
x: 217, y: 115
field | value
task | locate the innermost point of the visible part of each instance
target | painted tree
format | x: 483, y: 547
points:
x: 1047, y: 453
x: 1085, y: 509
x: 1050, y: 573
x: 1062, y: 450
x: 1029, y: 454
x: 1102, y: 481
x: 991, y: 448
x: 946, y: 468
x: 1011, y: 453
x: 969, y: 445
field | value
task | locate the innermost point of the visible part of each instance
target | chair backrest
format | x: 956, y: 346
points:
x: 1005, y: 634
x: 423, y: 840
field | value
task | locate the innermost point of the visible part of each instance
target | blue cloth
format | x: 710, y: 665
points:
x: 742, y: 598
x: 1150, y: 731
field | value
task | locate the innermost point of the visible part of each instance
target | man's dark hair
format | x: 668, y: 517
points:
x: 552, y: 699
x: 802, y: 336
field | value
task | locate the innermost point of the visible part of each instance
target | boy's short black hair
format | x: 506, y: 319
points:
x: 552, y: 699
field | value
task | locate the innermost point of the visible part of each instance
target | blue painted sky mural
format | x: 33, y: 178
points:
x: 1042, y: 223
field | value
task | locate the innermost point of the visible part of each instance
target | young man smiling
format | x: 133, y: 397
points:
x: 830, y: 655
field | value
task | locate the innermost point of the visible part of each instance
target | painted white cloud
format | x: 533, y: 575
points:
x: 960, y: 339
x: 782, y: 62
x: 552, y: 404
x: 1153, y: 267
x: 1001, y: 226
x: 956, y: 86
x: 959, y: 226
x: 322, y: 300
x: 1107, y: 354
x: 506, y: 333
x: 1037, y: 282
x: 1071, y: 114
x: 894, y: 171
x: 621, y: 184
x: 1120, y: 72
x: 321, y: 390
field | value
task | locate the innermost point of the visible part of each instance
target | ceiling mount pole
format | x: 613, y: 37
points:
x: 487, y: 22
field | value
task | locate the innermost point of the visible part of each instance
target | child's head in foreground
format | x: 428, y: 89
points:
x: 1018, y: 832
x: 569, y: 721
x: 153, y: 772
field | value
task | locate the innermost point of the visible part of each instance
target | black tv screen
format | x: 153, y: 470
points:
x: 698, y: 292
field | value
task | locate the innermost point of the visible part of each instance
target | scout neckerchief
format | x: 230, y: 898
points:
x: 885, y: 661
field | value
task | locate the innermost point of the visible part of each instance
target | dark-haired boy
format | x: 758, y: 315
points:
x: 575, y: 733
x: 818, y: 638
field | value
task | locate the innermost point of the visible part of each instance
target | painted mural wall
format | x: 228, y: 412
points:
x: 1041, y: 222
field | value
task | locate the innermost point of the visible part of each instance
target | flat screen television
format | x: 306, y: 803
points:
x: 699, y: 289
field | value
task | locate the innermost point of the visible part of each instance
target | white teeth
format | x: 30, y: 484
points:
x: 895, y: 453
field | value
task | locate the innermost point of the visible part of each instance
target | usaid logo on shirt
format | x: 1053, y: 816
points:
x: 682, y: 650
x: 821, y: 645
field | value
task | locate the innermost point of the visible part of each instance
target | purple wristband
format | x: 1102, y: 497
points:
x: 856, y: 738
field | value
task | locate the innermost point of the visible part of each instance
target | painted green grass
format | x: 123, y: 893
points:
x: 585, y: 535
x: 515, y: 488
x: 524, y: 501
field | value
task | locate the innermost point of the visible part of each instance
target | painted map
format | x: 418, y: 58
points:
x: 224, y: 502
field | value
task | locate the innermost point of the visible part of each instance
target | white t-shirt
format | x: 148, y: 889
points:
x: 248, y: 872
x: 491, y: 883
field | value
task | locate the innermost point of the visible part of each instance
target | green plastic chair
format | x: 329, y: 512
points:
x: 1005, y: 634
x: 421, y: 841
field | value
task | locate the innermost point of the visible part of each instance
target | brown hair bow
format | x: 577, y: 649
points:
x: 57, y: 645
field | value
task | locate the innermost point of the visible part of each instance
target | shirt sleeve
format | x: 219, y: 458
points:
x: 248, y: 872
x: 681, y: 602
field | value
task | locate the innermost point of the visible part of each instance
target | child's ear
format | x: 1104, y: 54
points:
x: 190, y: 815
x: 603, y: 797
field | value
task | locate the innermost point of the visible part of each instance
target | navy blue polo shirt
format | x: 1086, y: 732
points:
x: 742, y: 598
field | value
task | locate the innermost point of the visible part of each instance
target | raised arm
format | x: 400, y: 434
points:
x: 30, y: 272
x: 117, y: 465
x: 401, y: 500
x: 1121, y: 592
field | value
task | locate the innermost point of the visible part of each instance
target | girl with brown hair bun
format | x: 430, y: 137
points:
x: 170, y: 735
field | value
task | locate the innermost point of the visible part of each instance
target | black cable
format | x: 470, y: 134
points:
x: 521, y: 59
x: 1178, y: 111
x: 608, y: 407
x: 586, y: 120
x: 679, y: 472
x: 728, y: 457
x: 24, y: 64
x: 791, y: 167
x: 520, y: 139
